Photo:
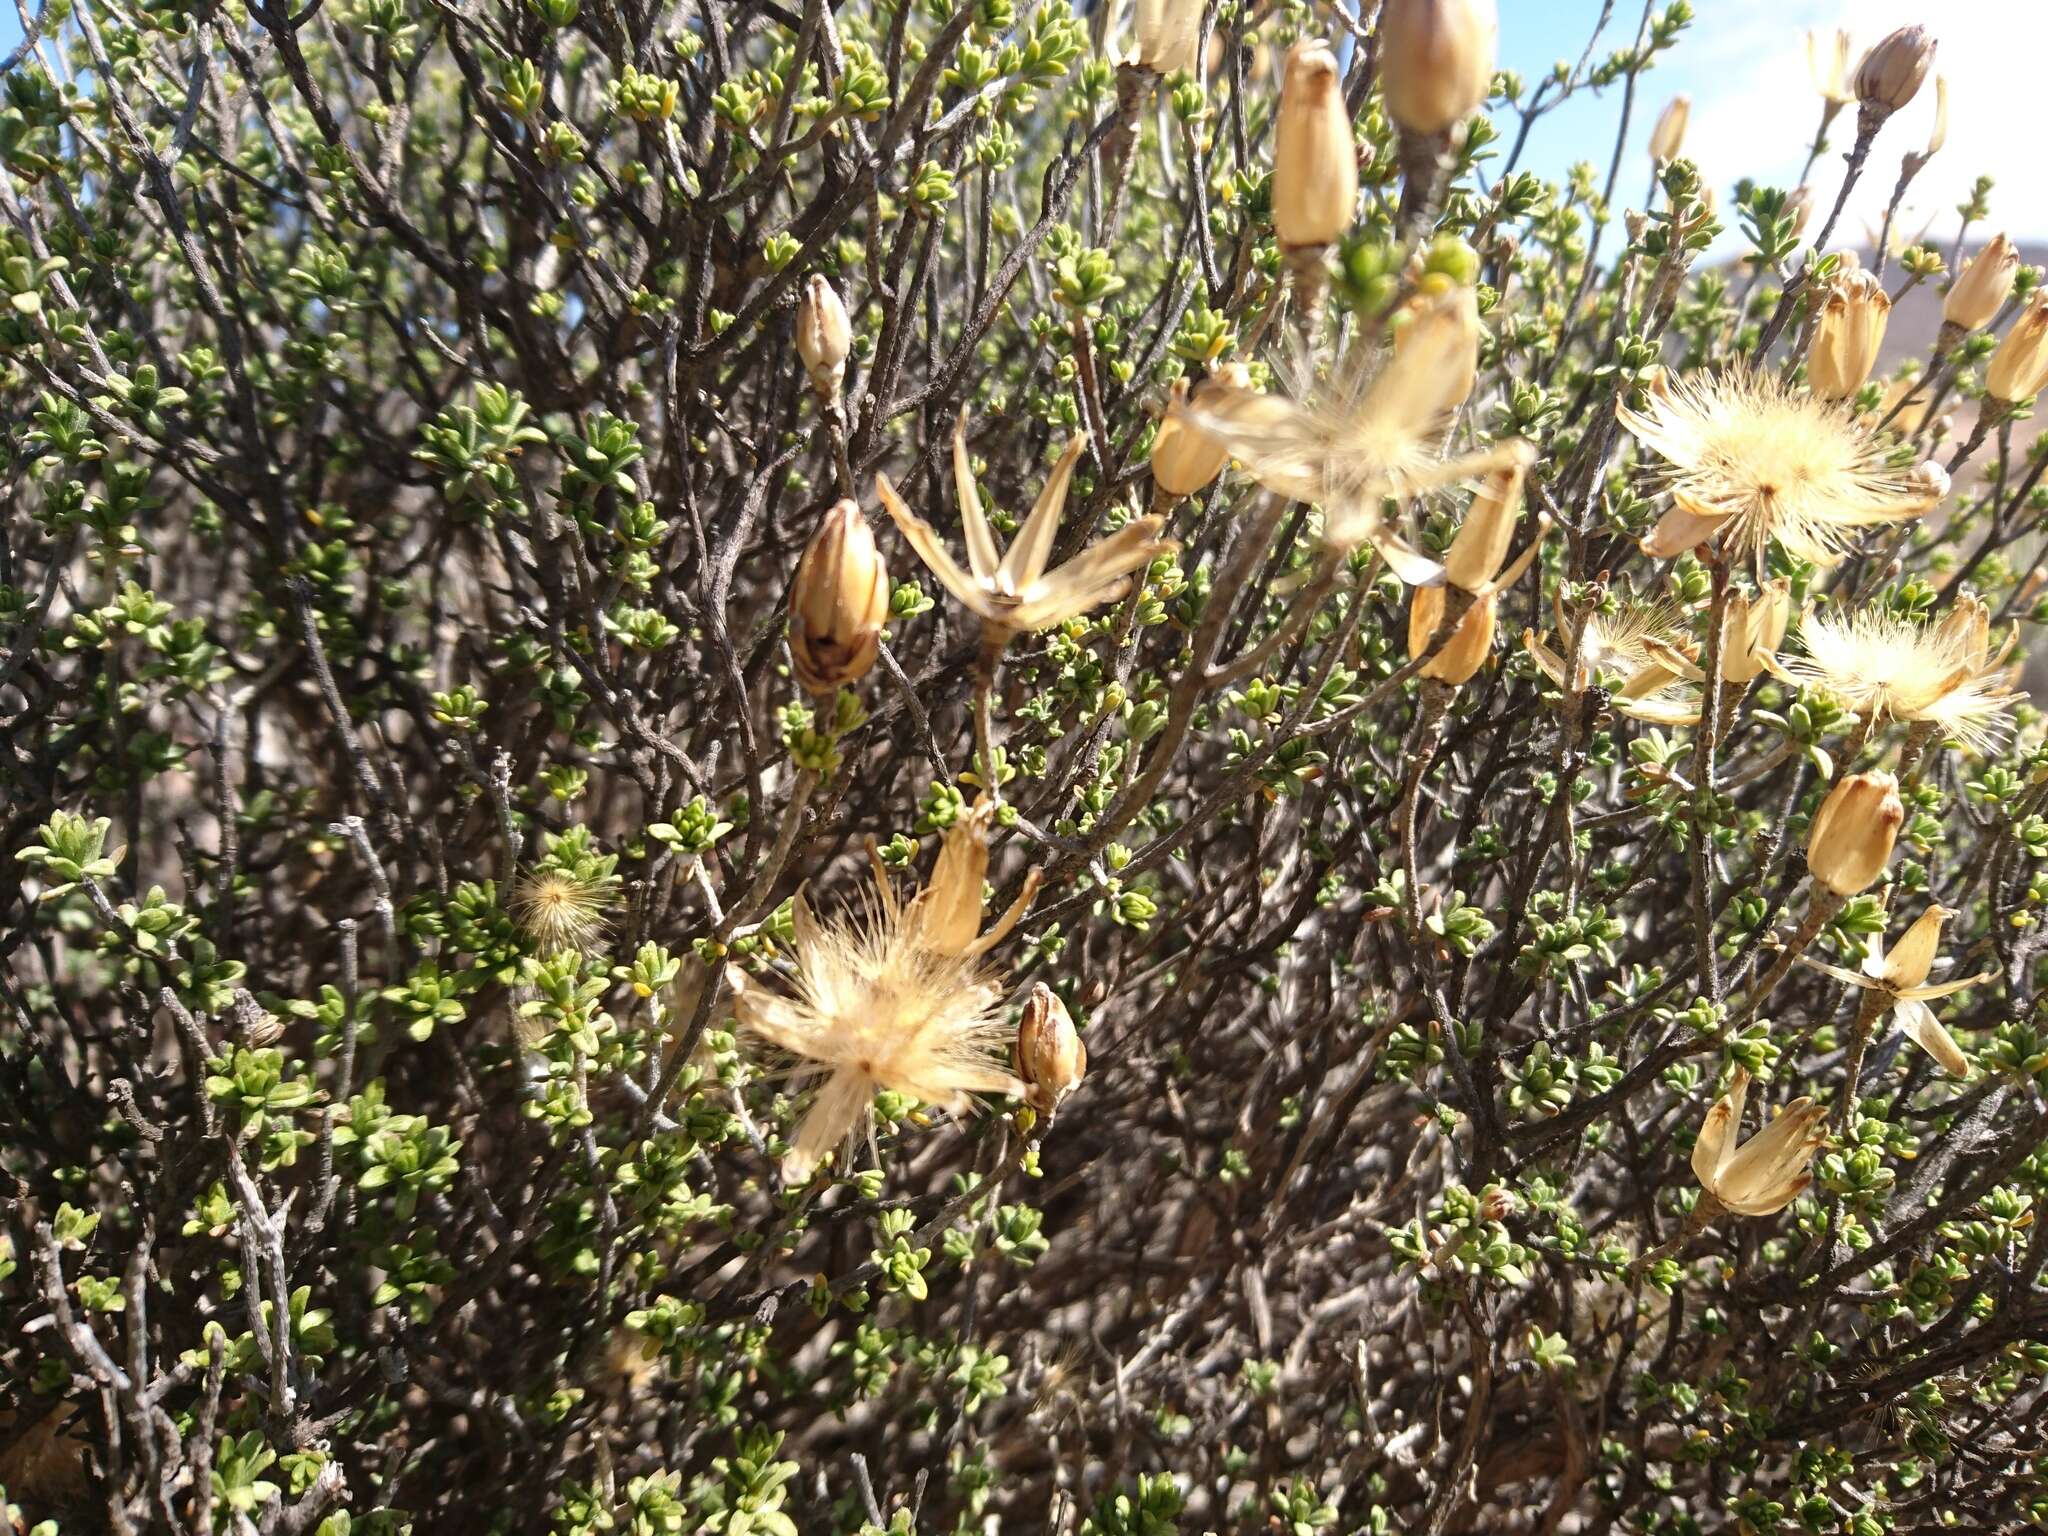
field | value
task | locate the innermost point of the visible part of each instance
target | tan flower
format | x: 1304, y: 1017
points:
x: 1903, y: 980
x: 1883, y: 667
x: 1768, y: 1172
x: 885, y: 999
x: 1982, y: 287
x: 1637, y: 651
x: 1752, y: 629
x: 1752, y: 461
x: 1185, y: 458
x: 1847, y: 335
x: 1369, y: 431
x: 1827, y: 58
x: 1013, y: 593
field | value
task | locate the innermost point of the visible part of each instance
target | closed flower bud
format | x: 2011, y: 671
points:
x: 1853, y: 832
x: 838, y: 602
x: 1184, y: 457
x: 1982, y: 287
x: 1482, y: 543
x: 1467, y: 649
x: 1667, y: 139
x: 1050, y: 1055
x: 2019, y: 368
x: 1436, y: 60
x: 824, y: 337
x: 1890, y: 73
x: 1315, y: 159
x: 1847, y: 335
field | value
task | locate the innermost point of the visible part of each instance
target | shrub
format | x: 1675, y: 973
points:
x: 601, y: 602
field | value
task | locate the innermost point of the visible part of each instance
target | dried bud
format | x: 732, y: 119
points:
x: 1931, y: 480
x: 824, y: 337
x: 1498, y: 1204
x: 1847, y: 335
x: 948, y: 912
x: 1907, y: 966
x: 1167, y: 34
x: 1890, y: 73
x: 1982, y: 287
x: 1482, y: 543
x: 1667, y: 139
x: 1185, y: 458
x: 1436, y: 60
x: 1050, y: 1055
x: 837, y: 603
x: 2019, y: 368
x: 1469, y: 645
x: 1853, y: 832
x: 1315, y: 158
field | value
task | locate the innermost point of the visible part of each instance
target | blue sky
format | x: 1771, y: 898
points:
x: 1743, y: 62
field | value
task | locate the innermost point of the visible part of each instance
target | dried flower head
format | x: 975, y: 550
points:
x: 1768, y: 1172
x: 1884, y: 667
x: 876, y: 1007
x: 1902, y: 979
x: 1367, y: 431
x: 564, y: 901
x: 1013, y: 592
x: 1753, y: 461
x: 1638, y: 651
